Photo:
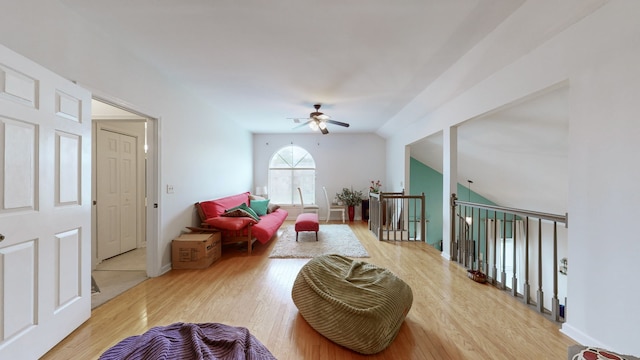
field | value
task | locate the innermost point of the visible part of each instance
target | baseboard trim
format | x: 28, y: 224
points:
x: 581, y: 337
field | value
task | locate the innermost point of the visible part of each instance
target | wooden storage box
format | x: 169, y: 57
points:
x: 195, y: 251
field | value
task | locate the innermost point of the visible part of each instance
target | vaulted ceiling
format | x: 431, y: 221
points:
x: 263, y: 63
x: 516, y: 156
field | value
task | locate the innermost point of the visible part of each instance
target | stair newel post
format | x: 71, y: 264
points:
x: 526, y: 289
x: 503, y: 271
x: 555, y: 303
x: 494, y: 273
x: 486, y: 243
x: 514, y: 278
x: 540, y: 304
x: 452, y: 248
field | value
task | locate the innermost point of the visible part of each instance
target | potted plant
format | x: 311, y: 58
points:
x: 350, y: 198
x: 375, y: 186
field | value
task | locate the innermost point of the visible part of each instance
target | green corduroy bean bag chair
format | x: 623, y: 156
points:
x: 355, y: 304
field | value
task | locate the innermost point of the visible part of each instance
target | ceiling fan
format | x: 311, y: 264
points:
x: 319, y: 121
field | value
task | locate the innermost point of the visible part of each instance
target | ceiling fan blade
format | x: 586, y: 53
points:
x: 303, y: 124
x: 339, y: 123
x: 324, y: 131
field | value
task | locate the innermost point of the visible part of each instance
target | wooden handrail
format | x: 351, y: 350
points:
x: 562, y: 219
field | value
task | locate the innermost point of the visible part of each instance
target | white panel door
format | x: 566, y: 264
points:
x: 45, y: 214
x: 116, y: 193
x: 128, y: 193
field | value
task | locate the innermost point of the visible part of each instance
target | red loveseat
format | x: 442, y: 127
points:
x: 237, y: 229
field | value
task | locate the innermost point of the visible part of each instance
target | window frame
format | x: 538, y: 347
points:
x: 293, y: 156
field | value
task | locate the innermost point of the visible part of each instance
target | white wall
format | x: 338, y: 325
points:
x: 194, y: 139
x: 342, y: 160
x: 599, y: 57
x: 604, y: 177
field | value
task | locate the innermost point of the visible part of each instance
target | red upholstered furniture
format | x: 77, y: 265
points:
x: 238, y: 229
x: 307, y: 222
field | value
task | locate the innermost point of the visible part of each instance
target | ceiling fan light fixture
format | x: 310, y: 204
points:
x: 318, y: 121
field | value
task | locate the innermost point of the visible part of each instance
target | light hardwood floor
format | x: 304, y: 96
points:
x: 452, y: 317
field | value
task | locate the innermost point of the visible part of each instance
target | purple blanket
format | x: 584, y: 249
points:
x: 206, y: 341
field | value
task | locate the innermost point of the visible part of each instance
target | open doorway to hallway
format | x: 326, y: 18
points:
x: 119, y: 246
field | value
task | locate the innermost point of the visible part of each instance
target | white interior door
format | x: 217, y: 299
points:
x: 45, y: 214
x: 117, y: 207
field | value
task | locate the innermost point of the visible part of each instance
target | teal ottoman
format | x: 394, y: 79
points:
x: 355, y: 304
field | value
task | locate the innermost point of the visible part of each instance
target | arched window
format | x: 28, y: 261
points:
x: 292, y: 167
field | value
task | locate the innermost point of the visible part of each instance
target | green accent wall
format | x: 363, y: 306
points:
x: 424, y: 179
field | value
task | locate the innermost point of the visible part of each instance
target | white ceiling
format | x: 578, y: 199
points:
x: 262, y: 63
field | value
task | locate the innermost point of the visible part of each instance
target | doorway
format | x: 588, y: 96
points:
x: 124, y: 171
